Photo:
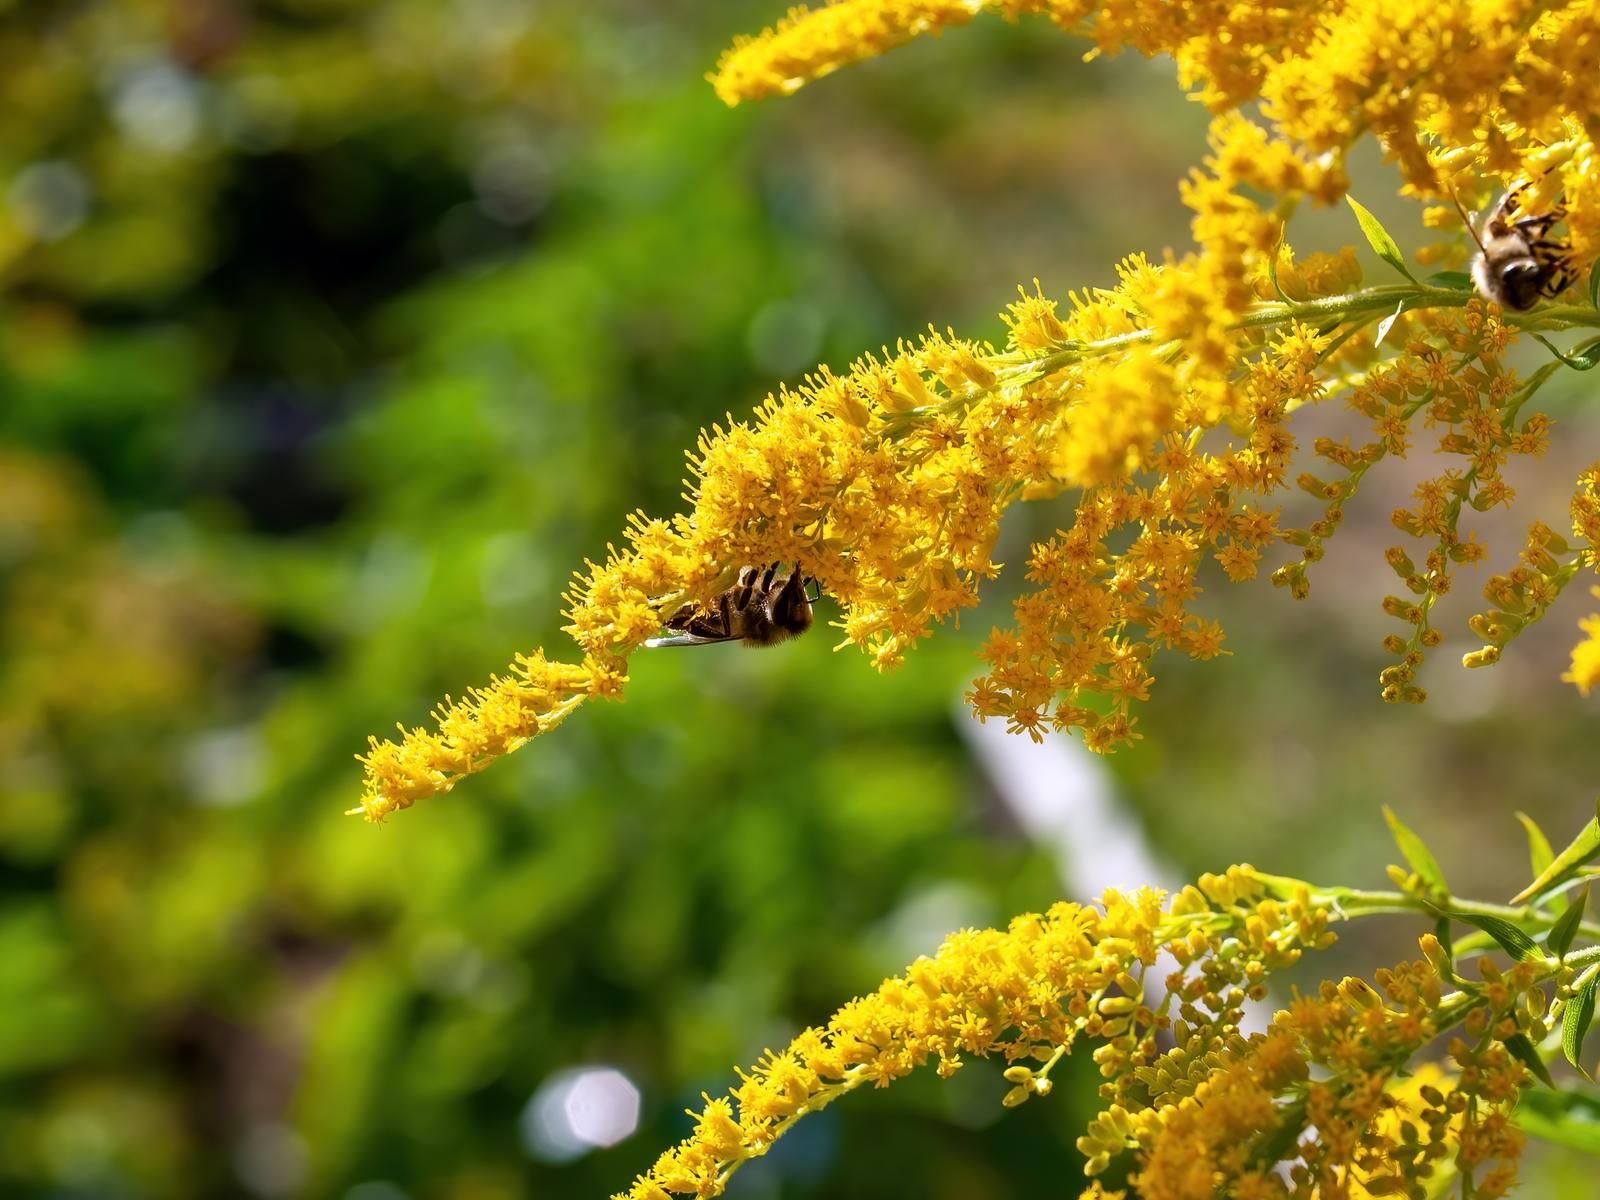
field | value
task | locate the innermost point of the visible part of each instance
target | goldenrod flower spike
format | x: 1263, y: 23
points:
x: 808, y: 44
x: 470, y: 734
x: 887, y: 483
x: 1036, y: 990
x: 1325, y: 1103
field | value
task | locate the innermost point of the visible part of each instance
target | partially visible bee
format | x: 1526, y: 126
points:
x: 760, y: 609
x: 1518, y: 263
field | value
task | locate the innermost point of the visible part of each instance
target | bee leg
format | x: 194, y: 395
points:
x: 1561, y: 278
x: 1536, y: 227
x: 1549, y: 248
x: 791, y: 608
x: 788, y: 595
x: 797, y: 585
x: 747, y: 580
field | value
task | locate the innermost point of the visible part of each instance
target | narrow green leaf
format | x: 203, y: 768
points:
x: 1586, y: 358
x: 1539, y: 853
x: 1378, y: 238
x: 1585, y: 848
x: 1523, y: 1050
x: 1385, y: 324
x: 1416, y: 854
x: 1456, y: 281
x: 1594, y: 285
x: 1512, y: 940
x: 1564, y: 930
x: 1561, y: 1117
x: 1575, y: 1023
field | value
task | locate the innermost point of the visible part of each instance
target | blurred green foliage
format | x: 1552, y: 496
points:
x: 334, y: 334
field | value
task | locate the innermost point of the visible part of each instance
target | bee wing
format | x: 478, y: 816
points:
x: 685, y: 639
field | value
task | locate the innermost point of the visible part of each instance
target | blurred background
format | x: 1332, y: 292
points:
x: 333, y: 335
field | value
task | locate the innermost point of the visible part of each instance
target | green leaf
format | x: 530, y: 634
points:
x: 1416, y: 854
x: 1385, y: 324
x: 1586, y: 358
x: 1512, y: 940
x: 1523, y: 1050
x: 1575, y: 1023
x: 1539, y: 853
x: 1564, y: 1118
x: 1456, y: 281
x: 1564, y: 930
x: 1378, y: 238
x: 1585, y: 848
x: 1594, y: 285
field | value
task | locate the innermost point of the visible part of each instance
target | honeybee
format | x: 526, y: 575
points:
x: 1518, y: 263
x: 760, y: 609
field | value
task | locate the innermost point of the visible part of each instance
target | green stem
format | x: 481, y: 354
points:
x: 1020, y: 368
x: 1357, y: 902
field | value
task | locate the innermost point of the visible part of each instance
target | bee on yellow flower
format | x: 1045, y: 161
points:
x: 1165, y: 404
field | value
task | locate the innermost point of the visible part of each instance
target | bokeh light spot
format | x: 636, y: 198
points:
x: 577, y: 1110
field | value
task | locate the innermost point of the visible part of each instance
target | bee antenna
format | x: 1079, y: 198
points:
x: 1467, y: 221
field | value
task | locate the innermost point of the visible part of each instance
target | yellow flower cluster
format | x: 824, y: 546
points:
x: 808, y: 45
x: 469, y: 734
x: 1034, y: 991
x: 1429, y: 82
x: 1451, y: 373
x: 1585, y: 672
x: 1323, y: 77
x: 1461, y: 94
x: 1334, y: 1063
x: 1325, y: 1104
x: 886, y: 484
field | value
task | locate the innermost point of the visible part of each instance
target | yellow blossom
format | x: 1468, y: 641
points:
x: 1325, y: 1103
x: 490, y: 723
x: 1585, y: 672
x: 1043, y: 986
x: 809, y: 44
x: 1165, y: 404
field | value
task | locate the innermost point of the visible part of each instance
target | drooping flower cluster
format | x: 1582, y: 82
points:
x: 808, y: 45
x: 1035, y: 991
x: 469, y: 734
x: 1453, y: 376
x: 1325, y: 1103
x: 887, y: 483
x: 1460, y: 94
x: 1336, y: 1063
